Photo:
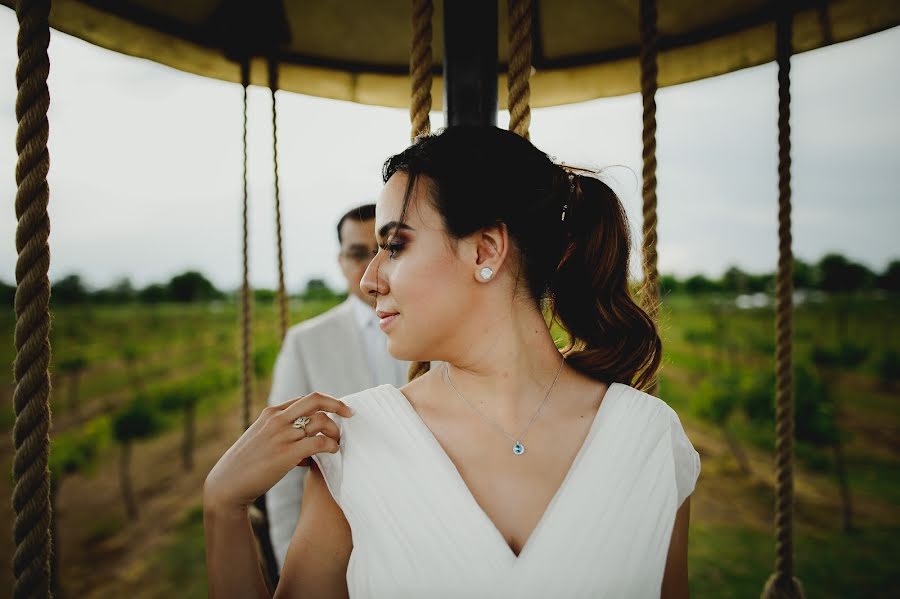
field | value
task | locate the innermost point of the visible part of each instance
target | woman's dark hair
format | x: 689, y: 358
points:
x: 484, y: 176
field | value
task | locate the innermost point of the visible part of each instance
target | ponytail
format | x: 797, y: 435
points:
x: 610, y: 337
x: 417, y: 369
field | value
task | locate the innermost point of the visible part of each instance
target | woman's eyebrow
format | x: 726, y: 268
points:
x: 392, y: 225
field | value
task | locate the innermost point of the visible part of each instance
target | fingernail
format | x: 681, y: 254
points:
x: 349, y: 409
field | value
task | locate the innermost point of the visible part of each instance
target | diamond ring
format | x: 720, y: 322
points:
x: 301, y: 422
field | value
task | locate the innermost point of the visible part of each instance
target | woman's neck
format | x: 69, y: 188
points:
x: 508, y: 367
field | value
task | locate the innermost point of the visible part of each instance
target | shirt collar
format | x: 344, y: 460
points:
x: 362, y: 312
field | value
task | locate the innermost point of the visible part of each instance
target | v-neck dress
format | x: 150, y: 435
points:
x: 418, y: 531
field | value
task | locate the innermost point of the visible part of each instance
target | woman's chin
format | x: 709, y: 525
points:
x: 403, y: 352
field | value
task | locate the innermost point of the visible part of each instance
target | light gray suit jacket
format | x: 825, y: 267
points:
x: 324, y: 354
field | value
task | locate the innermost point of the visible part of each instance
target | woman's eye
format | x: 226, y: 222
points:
x: 394, y: 248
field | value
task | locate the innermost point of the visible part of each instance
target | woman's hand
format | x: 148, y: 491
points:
x: 270, y: 448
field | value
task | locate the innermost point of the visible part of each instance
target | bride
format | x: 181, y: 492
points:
x: 513, y: 469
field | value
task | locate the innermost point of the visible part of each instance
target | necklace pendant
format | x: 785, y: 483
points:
x: 518, y: 448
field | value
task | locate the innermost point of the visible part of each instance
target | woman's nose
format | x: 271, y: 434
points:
x: 372, y: 283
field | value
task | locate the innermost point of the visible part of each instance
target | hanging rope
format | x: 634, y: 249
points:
x: 420, y: 102
x: 246, y: 372
x: 649, y: 83
x: 782, y: 584
x: 420, y: 69
x: 283, y: 319
x: 518, y: 79
x: 31, y: 398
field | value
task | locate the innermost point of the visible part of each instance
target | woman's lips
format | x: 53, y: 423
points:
x: 385, y: 319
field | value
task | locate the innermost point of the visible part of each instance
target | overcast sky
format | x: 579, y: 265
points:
x: 145, y: 177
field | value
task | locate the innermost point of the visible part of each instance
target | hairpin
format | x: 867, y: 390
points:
x: 565, y: 207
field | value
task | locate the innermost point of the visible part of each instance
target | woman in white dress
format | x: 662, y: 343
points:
x: 512, y: 469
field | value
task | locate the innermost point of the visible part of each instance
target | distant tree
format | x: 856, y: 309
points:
x: 828, y: 363
x: 735, y: 280
x: 806, y: 276
x: 264, y: 296
x: 815, y: 419
x: 758, y: 400
x: 718, y: 397
x: 192, y: 286
x: 7, y: 294
x: 136, y: 421
x: 183, y: 398
x: 761, y: 283
x: 890, y: 278
x: 120, y: 292
x: 69, y: 290
x: 70, y: 453
x: 73, y: 366
x: 318, y: 289
x: 154, y: 294
x: 840, y: 275
x: 700, y: 284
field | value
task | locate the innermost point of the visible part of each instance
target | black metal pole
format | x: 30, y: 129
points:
x: 470, y: 62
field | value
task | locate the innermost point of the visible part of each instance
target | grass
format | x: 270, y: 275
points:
x: 726, y: 561
x: 183, y: 561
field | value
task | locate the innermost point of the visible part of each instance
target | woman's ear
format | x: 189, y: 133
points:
x: 491, y: 249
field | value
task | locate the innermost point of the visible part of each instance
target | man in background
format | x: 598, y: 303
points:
x: 339, y: 353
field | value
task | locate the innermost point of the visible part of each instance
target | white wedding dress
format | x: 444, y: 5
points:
x: 419, y: 533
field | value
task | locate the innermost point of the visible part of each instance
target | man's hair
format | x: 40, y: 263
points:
x: 361, y: 213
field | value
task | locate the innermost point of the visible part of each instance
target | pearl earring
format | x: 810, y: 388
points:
x: 486, y: 273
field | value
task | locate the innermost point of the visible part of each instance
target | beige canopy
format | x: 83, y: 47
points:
x: 358, y: 50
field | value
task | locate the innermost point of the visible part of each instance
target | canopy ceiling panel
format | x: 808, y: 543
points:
x: 358, y: 50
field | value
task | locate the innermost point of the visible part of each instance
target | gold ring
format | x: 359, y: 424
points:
x: 301, y: 422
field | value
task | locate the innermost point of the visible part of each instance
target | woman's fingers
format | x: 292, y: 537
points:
x: 317, y: 444
x: 314, y: 402
x: 320, y: 434
x: 319, y: 423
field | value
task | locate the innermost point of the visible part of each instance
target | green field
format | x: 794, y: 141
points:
x: 716, y: 356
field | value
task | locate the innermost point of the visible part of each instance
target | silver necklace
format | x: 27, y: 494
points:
x: 518, y: 447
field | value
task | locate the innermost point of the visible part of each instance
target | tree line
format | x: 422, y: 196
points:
x: 834, y: 273
x: 188, y: 287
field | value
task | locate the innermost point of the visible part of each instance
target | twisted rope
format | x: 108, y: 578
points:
x: 282, y: 293
x: 519, y: 67
x: 31, y: 495
x: 782, y: 584
x: 649, y: 83
x: 246, y: 372
x: 420, y: 68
